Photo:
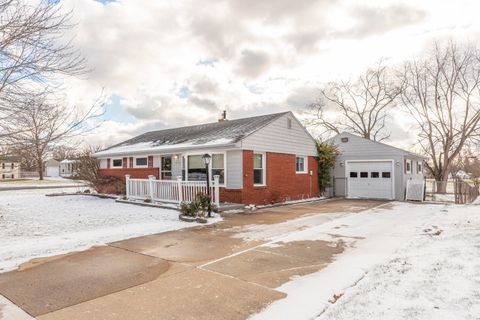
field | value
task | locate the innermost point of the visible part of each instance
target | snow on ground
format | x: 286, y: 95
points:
x: 47, y: 182
x: 410, y: 261
x: 33, y: 225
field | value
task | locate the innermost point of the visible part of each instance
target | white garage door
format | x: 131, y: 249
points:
x: 53, y: 172
x: 370, y: 179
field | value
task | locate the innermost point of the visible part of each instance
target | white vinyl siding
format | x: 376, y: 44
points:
x: 277, y: 137
x: 103, y: 163
x: 234, y: 169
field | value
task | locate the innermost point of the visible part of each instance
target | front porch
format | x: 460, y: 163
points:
x: 160, y: 192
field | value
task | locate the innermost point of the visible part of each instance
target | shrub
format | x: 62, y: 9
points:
x: 327, y: 155
x: 109, y: 185
x: 198, y: 207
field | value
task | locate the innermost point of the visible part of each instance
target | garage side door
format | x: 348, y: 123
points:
x: 370, y: 179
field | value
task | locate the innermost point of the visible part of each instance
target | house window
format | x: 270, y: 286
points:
x: 363, y: 174
x: 3, y: 165
x: 116, y: 163
x: 218, y: 167
x: 166, y: 168
x: 196, y: 168
x: 12, y: 165
x: 353, y: 174
x: 386, y: 175
x: 408, y: 166
x: 141, y: 162
x: 419, y: 167
x: 259, y: 169
x: 374, y: 175
x: 301, y: 164
x: 198, y: 172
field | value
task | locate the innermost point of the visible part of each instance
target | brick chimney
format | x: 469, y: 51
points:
x: 223, y: 117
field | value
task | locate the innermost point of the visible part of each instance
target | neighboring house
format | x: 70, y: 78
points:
x: 51, y: 168
x: 260, y: 160
x: 370, y: 169
x: 68, y: 168
x: 9, y: 167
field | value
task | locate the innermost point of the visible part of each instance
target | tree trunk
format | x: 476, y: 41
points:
x: 40, y: 170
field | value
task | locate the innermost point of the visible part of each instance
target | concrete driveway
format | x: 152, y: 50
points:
x: 222, y: 271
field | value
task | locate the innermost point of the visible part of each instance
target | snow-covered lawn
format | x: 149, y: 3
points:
x: 47, y: 182
x: 405, y: 262
x: 33, y: 225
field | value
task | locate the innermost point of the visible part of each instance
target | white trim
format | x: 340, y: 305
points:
x: 305, y: 164
x: 347, y: 186
x: 135, y: 162
x: 264, y: 169
x: 116, y: 167
x: 420, y: 167
x: 173, y: 150
x: 210, y: 152
x: 408, y: 161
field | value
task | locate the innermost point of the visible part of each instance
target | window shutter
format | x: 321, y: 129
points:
x: 150, y: 161
x: 124, y: 162
x: 130, y: 161
x: 405, y: 166
x: 108, y: 163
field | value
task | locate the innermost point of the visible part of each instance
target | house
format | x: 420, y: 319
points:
x: 370, y: 169
x: 9, y: 167
x: 259, y: 160
x: 68, y: 168
x: 51, y: 168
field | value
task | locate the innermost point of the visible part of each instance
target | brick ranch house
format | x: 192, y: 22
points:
x: 259, y: 160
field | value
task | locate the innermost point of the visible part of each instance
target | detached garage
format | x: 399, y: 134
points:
x: 373, y: 170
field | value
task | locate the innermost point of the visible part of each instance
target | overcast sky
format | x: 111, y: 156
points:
x: 180, y: 62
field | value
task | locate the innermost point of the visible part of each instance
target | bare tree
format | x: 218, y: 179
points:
x: 88, y: 166
x: 359, y: 107
x: 442, y: 93
x: 46, y: 122
x: 32, y: 50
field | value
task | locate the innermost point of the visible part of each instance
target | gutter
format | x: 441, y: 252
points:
x: 152, y: 151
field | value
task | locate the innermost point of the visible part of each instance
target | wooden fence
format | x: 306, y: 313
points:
x: 172, y: 191
x: 465, y: 192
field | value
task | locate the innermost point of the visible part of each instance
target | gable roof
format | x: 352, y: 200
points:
x: 402, y: 151
x: 214, y: 134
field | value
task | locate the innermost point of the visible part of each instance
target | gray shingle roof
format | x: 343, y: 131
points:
x: 233, y: 130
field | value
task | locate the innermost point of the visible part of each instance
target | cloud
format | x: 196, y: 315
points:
x: 181, y: 62
x: 253, y: 63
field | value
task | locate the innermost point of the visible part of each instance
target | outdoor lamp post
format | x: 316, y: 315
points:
x: 206, y: 159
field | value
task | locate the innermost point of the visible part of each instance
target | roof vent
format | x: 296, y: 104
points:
x: 223, y: 117
x: 344, y: 139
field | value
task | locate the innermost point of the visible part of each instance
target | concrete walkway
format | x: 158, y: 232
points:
x: 213, y: 272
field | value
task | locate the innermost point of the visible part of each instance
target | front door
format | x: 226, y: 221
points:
x: 166, y: 168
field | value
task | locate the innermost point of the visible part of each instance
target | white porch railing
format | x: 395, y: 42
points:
x: 174, y: 191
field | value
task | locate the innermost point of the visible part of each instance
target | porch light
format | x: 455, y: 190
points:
x: 206, y: 159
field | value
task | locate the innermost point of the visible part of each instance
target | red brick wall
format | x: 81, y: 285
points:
x: 135, y: 173
x: 283, y: 183
x: 231, y: 195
